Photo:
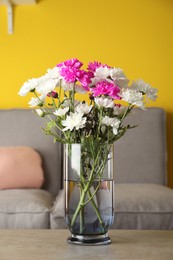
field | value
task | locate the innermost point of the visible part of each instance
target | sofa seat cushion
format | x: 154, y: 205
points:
x: 137, y: 206
x: 143, y: 206
x: 25, y: 208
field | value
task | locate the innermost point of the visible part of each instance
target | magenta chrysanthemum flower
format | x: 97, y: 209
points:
x: 69, y: 69
x: 92, y: 66
x: 84, y: 78
x: 73, y: 63
x: 106, y: 88
x: 71, y: 72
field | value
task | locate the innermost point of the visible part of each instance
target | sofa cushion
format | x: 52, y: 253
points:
x: 143, y: 206
x: 25, y: 208
x: 137, y: 206
x: 20, y: 167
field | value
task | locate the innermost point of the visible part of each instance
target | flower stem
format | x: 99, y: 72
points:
x: 79, y: 207
x: 81, y: 217
x: 96, y: 210
x: 85, y: 189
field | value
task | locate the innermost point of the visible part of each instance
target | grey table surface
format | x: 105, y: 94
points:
x: 52, y: 245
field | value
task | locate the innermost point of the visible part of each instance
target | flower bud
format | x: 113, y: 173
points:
x: 53, y: 94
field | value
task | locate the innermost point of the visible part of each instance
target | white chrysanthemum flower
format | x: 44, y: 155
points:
x: 102, y: 72
x: 119, y: 110
x: 151, y: 93
x: 107, y: 121
x: 61, y: 111
x: 83, y: 108
x: 114, y: 122
x: 74, y: 120
x: 37, y: 101
x: 28, y: 86
x: 141, y: 85
x: 53, y: 73
x: 34, y: 102
x: 47, y: 86
x: 104, y: 102
x: 119, y: 77
x: 94, y: 81
x: 132, y: 96
x: 44, y: 84
x: 39, y: 112
x: 67, y: 86
x: 110, y: 121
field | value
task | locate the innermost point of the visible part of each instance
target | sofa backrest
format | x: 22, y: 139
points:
x: 140, y: 155
x: 20, y: 127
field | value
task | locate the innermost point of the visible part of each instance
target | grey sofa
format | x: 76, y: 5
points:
x: 142, y: 199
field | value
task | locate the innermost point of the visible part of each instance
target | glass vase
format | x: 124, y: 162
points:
x: 89, y: 184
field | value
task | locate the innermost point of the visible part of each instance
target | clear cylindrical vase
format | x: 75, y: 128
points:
x: 89, y: 184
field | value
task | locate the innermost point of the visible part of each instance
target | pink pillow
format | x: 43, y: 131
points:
x: 20, y: 167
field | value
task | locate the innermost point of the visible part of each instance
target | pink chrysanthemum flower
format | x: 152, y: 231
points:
x: 73, y: 63
x: 92, y: 66
x: 71, y: 72
x: 106, y: 88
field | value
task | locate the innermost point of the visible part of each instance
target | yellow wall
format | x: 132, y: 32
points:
x: 135, y: 35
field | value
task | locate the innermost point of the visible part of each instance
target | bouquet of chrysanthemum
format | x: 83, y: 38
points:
x: 85, y: 109
x: 99, y: 116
